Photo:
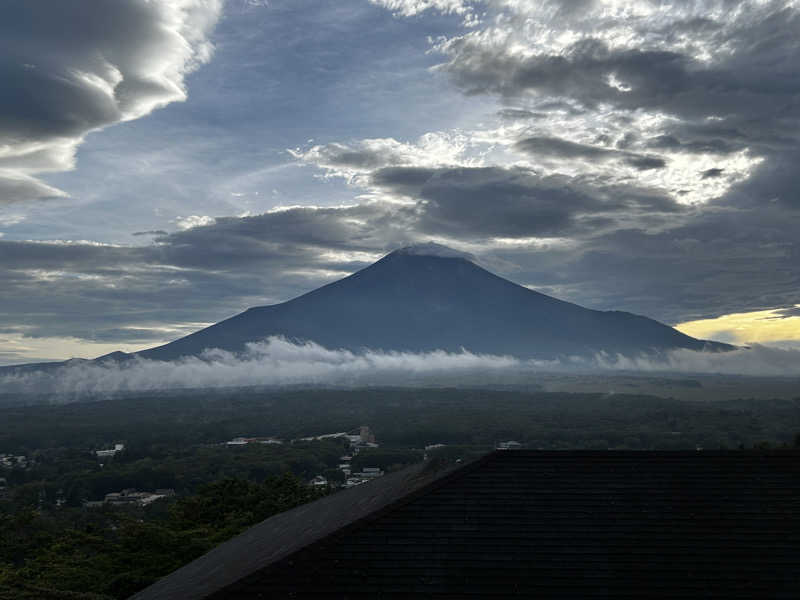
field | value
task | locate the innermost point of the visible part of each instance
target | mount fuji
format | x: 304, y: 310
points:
x: 429, y: 297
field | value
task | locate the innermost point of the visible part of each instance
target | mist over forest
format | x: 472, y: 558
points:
x: 277, y: 361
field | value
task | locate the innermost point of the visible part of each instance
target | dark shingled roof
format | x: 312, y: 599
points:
x: 526, y: 523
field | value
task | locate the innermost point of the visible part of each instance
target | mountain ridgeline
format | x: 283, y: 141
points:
x: 428, y: 297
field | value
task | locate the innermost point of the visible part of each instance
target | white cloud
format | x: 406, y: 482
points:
x: 410, y: 8
x: 279, y: 362
x: 191, y: 221
x: 273, y: 362
x: 759, y: 361
x: 354, y: 160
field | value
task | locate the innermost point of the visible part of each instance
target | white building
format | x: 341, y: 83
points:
x: 112, y: 452
x: 131, y: 496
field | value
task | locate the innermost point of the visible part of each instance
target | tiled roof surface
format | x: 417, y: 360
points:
x: 565, y: 524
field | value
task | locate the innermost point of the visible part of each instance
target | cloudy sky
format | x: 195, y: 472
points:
x: 165, y: 164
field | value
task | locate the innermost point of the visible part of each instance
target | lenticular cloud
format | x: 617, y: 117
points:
x: 82, y: 66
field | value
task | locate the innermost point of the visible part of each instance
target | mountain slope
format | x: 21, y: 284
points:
x: 428, y: 297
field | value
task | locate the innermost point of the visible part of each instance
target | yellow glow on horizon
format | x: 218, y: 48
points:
x: 14, y: 348
x: 759, y: 327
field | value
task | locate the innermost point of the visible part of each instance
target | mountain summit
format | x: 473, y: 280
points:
x: 433, y: 249
x: 429, y: 297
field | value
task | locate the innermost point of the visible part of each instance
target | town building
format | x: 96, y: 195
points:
x: 131, y: 496
x: 14, y: 462
x: 243, y: 441
x: 325, y: 436
x: 109, y: 453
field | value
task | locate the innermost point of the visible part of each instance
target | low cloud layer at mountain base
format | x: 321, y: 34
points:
x: 276, y: 362
x: 755, y: 361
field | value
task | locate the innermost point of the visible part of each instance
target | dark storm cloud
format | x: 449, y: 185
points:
x: 562, y: 148
x: 151, y: 232
x: 22, y: 255
x: 198, y: 275
x: 700, y: 143
x: 565, y: 149
x: 775, y: 181
x: 407, y: 181
x: 499, y: 202
x: 719, y: 262
x: 517, y: 113
x: 786, y: 313
x: 645, y: 163
x: 73, y: 67
x: 292, y: 238
x: 515, y: 202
